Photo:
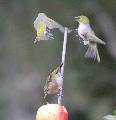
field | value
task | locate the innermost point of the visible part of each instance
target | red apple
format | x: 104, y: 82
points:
x: 52, y: 112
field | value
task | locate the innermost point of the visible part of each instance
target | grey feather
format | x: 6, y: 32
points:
x: 92, y: 52
x: 92, y: 38
x: 55, y: 25
x: 50, y: 23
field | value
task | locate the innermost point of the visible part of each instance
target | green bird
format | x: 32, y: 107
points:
x: 54, y: 82
x: 88, y: 37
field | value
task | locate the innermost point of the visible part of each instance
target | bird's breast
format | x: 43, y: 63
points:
x: 83, y: 30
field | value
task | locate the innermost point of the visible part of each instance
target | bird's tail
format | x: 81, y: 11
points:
x: 92, y: 52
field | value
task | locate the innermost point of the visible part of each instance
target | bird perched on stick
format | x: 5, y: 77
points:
x: 43, y: 26
x: 54, y: 82
x: 88, y: 37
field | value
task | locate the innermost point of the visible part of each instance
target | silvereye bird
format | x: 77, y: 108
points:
x: 43, y: 25
x: 88, y: 37
x: 53, y: 82
x: 43, y: 33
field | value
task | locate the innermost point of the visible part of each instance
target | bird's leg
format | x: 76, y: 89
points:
x: 49, y: 34
x: 45, y: 93
x: 59, y: 93
x: 80, y: 39
x: 35, y: 40
x: 84, y: 35
x: 85, y: 40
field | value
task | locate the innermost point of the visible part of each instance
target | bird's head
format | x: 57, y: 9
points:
x: 82, y: 19
x: 42, y: 16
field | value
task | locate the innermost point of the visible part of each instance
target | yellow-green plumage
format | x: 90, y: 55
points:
x: 52, y: 85
x: 41, y: 29
x: 52, y: 75
x: 82, y: 19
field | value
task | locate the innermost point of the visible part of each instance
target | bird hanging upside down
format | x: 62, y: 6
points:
x: 43, y: 26
x: 54, y: 82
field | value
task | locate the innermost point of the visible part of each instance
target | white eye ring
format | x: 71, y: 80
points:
x: 80, y: 18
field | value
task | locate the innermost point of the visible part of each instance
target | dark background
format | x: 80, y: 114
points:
x: 89, y: 88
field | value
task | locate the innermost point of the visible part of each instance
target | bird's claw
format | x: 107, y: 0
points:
x: 35, y: 40
x: 60, y: 94
x: 49, y: 33
x: 85, y: 42
x: 80, y: 39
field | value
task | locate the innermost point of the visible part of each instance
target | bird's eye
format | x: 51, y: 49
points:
x: 80, y: 18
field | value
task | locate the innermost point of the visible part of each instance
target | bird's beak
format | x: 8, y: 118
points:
x: 76, y: 18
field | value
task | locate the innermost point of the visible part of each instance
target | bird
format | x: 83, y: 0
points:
x: 54, y: 82
x: 43, y: 33
x: 43, y: 26
x: 88, y: 37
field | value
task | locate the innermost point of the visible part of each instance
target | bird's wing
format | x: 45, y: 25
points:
x: 35, y: 23
x: 52, y: 75
x: 40, y: 19
x: 38, y: 22
x: 92, y: 38
x: 51, y: 24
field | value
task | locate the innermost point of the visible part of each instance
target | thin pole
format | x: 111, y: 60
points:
x: 63, y: 61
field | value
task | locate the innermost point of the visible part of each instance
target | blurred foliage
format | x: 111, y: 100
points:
x: 89, y: 87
